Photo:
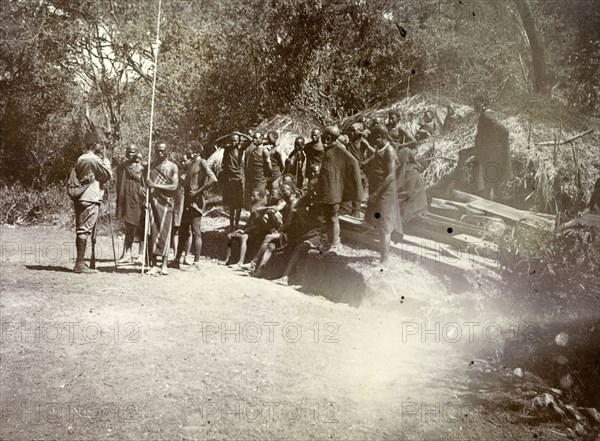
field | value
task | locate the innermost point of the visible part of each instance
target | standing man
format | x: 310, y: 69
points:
x: 130, y: 199
x: 91, y: 172
x: 339, y: 181
x: 231, y: 179
x: 294, y: 164
x: 398, y: 134
x: 360, y: 148
x: 257, y: 165
x: 492, y: 165
x: 382, y: 207
x: 162, y: 185
x: 198, y: 179
x: 277, y: 162
x: 314, y: 152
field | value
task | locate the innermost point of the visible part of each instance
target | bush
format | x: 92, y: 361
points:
x: 20, y: 205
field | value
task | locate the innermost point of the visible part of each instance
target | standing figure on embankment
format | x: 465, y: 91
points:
x: 492, y: 165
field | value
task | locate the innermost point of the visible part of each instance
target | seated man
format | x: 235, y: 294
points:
x: 289, y: 179
x: 426, y: 127
x: 268, y: 246
x: 305, y: 233
x: 256, y: 225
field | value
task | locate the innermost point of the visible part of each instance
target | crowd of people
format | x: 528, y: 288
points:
x: 294, y: 202
x: 290, y: 202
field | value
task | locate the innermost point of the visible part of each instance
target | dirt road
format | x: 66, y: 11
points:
x: 217, y: 355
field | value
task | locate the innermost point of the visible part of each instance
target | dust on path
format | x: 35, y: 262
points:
x: 217, y: 355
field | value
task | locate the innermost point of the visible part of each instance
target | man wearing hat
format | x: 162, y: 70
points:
x: 91, y: 171
x: 130, y: 199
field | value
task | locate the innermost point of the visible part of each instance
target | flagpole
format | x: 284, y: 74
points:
x: 147, y: 217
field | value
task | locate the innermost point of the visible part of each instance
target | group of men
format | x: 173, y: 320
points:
x: 288, y: 198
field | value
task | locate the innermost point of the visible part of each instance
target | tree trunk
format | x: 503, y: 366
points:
x: 538, y: 51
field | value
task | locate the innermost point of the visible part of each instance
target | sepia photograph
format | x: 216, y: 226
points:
x: 299, y: 220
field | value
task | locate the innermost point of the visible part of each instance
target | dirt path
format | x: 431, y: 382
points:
x: 216, y: 355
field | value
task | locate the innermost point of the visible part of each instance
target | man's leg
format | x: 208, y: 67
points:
x: 283, y: 280
x: 184, y: 232
x: 384, y: 243
x: 263, y: 248
x: 197, y: 235
x: 86, y: 216
x: 333, y: 224
x: 127, y: 243
x: 175, y: 239
x: 243, y: 248
x: 266, y: 256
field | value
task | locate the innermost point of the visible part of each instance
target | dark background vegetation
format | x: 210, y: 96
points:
x: 231, y: 64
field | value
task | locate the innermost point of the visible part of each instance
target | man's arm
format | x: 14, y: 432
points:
x: 267, y: 161
x: 279, y: 159
x: 102, y: 170
x: 211, y: 179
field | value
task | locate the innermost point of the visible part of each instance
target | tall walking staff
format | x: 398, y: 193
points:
x: 147, y: 220
x: 110, y: 223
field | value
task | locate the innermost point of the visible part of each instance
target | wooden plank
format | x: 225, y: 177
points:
x: 501, y: 210
x: 458, y: 252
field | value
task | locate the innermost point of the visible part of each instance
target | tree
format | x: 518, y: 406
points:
x: 537, y: 48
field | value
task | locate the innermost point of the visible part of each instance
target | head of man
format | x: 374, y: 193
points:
x: 287, y: 191
x: 299, y: 143
x: 250, y: 133
x: 94, y: 141
x: 315, y: 169
x: 195, y: 148
x: 234, y: 140
x: 257, y: 138
x: 272, y: 137
x: 287, y: 179
x: 256, y: 196
x: 315, y: 135
x: 479, y: 102
x: 379, y: 136
x: 162, y: 151
x: 428, y: 116
x: 330, y: 134
x: 355, y: 131
x: 131, y: 153
x: 393, y: 118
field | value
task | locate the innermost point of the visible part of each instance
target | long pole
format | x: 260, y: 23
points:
x: 147, y: 220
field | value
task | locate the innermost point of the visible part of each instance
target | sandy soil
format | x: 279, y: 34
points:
x: 217, y: 355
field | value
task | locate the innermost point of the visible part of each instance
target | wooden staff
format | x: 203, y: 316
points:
x: 146, y: 222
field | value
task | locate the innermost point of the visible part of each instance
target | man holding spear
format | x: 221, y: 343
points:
x: 161, y: 186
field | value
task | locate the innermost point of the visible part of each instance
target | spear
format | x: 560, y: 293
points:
x: 146, y: 222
